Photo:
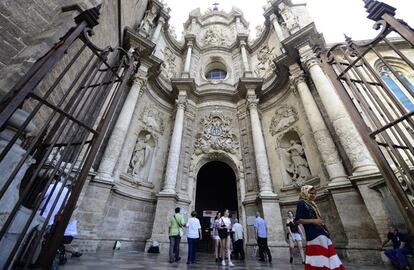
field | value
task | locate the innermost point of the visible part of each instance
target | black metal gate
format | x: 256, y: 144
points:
x: 375, y: 80
x: 52, y: 125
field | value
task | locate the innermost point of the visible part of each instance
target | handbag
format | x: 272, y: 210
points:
x: 222, y: 230
x: 181, y: 231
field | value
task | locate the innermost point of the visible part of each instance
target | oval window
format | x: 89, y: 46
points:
x: 216, y: 74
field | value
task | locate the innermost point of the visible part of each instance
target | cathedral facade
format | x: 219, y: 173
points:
x: 223, y: 120
x: 261, y: 106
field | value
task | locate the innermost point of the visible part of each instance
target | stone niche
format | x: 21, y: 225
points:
x: 142, y: 158
x: 294, y: 164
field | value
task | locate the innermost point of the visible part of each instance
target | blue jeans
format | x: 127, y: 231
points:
x: 192, y: 249
x: 174, y: 247
x: 398, y: 256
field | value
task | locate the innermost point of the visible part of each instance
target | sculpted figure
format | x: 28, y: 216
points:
x: 140, y: 156
x: 148, y: 22
x: 298, y: 168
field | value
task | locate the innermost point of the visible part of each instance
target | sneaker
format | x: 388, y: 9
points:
x: 223, y: 263
x: 231, y: 264
x: 178, y: 259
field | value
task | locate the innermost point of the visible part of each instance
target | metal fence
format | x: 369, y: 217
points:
x: 52, y: 124
x: 374, y: 80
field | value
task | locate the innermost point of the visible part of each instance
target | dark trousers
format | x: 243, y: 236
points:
x: 238, y: 248
x: 192, y: 249
x: 174, y: 247
x: 263, y: 248
x: 398, y: 256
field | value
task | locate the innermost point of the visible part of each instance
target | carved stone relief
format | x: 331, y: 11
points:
x: 284, y: 117
x: 294, y: 163
x: 148, y: 22
x: 216, y: 135
x: 290, y: 19
x: 169, y: 68
x: 152, y: 120
x: 265, y: 67
x: 298, y: 167
x: 140, y: 163
x: 214, y: 36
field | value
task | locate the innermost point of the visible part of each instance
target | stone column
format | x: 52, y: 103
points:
x: 245, y: 59
x: 175, y: 147
x: 262, y: 163
x: 187, y: 64
x: 116, y: 141
x: 349, y: 137
x: 324, y: 141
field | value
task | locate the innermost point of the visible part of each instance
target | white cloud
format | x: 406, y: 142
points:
x: 332, y: 17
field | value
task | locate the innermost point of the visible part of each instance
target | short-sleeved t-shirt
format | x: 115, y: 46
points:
x: 260, y: 226
x: 193, y: 226
x: 226, y: 222
x: 174, y: 226
x: 305, y: 211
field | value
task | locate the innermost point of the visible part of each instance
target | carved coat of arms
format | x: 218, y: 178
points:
x: 216, y: 135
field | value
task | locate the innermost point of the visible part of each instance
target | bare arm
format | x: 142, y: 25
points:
x: 315, y: 221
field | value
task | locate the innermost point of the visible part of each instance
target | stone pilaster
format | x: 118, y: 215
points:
x: 349, y: 137
x: 116, y: 141
x: 323, y: 139
x: 187, y: 63
x: 175, y: 147
x: 246, y: 66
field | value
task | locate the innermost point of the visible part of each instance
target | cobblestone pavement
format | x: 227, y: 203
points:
x: 140, y: 260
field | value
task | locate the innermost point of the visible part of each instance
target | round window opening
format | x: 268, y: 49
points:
x: 216, y: 71
x: 216, y: 74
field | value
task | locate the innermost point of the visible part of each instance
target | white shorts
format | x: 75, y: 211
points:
x: 296, y: 237
x: 216, y: 237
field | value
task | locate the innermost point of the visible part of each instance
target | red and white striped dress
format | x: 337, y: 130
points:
x: 320, y: 253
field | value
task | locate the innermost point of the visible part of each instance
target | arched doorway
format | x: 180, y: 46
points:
x: 216, y: 190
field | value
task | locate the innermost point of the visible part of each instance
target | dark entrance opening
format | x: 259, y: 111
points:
x: 216, y: 191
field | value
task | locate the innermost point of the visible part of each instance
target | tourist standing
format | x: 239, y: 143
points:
x: 261, y: 237
x: 401, y: 247
x: 320, y: 252
x: 295, y: 234
x: 216, y: 237
x: 238, y: 239
x: 193, y: 235
x: 224, y: 234
x: 175, y: 232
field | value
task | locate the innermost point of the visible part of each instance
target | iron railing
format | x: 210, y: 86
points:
x: 379, y: 96
x: 53, y: 123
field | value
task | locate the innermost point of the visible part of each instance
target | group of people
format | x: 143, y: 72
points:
x: 320, y: 253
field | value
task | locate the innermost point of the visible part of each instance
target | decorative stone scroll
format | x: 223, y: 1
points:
x: 169, y: 68
x: 284, y: 117
x: 216, y: 135
x: 265, y: 67
x: 152, y: 120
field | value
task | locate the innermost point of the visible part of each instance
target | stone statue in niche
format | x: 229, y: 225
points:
x: 216, y: 135
x: 140, y: 162
x: 298, y: 167
x: 284, y: 117
x: 169, y: 68
x: 290, y: 20
x: 265, y: 67
x: 152, y: 120
x: 148, y: 22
